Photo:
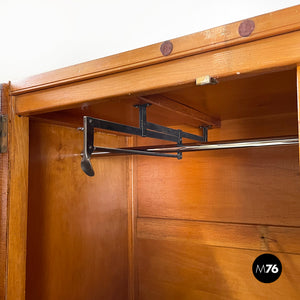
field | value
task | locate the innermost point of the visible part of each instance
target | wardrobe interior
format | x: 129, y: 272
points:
x: 160, y: 228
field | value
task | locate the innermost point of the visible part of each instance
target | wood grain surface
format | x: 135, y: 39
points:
x: 258, y: 186
x: 237, y: 61
x: 259, y: 237
x: 155, y: 228
x: 253, y: 96
x: 267, y: 25
x: 176, y: 270
x: 298, y: 103
x: 77, y: 225
x: 4, y: 100
x: 253, y: 105
x: 196, y: 117
x: 203, y: 220
x: 132, y: 225
x: 17, y: 198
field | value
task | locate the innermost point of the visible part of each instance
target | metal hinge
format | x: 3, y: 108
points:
x: 3, y: 133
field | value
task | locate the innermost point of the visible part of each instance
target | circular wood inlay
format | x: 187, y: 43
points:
x: 166, y: 48
x: 246, y: 28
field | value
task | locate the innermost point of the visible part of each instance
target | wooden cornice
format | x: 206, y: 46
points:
x: 268, y: 25
x: 260, y: 56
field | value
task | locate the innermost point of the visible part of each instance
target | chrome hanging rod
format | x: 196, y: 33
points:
x: 280, y: 141
x: 231, y: 145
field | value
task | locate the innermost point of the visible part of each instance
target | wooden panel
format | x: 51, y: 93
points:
x: 246, y: 97
x: 195, y: 116
x: 123, y: 111
x: 18, y: 195
x: 77, y: 225
x: 248, y: 128
x: 131, y: 233
x: 267, y: 25
x: 229, y: 235
x: 238, y: 185
x: 253, y: 97
x: 175, y: 270
x: 202, y: 221
x: 298, y: 102
x: 4, y: 99
x: 256, y: 127
x: 132, y: 216
x: 274, y: 52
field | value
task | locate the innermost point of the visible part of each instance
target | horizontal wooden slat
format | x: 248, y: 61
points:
x: 270, y: 24
x: 256, y: 127
x: 172, y: 270
x: 275, y: 52
x: 124, y: 111
x: 196, y: 117
x: 251, y: 237
x: 254, y: 108
x: 258, y: 186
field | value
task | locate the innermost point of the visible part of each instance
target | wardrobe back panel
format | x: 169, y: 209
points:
x: 77, y: 225
x: 260, y: 186
x: 203, y: 220
x: 173, y: 270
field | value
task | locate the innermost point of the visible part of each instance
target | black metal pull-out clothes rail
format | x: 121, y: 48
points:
x: 147, y: 129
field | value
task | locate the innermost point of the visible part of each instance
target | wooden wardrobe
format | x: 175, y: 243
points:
x: 147, y: 227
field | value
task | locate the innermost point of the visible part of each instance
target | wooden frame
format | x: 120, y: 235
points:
x: 298, y: 102
x: 274, y: 52
x: 14, y: 189
x: 267, y: 25
x: 220, y: 52
x: 4, y: 96
x: 17, y: 201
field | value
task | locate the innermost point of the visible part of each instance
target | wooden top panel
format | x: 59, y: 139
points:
x: 267, y: 94
x: 271, y: 24
x: 247, y: 59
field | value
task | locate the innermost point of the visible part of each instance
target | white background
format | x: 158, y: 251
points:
x: 38, y: 36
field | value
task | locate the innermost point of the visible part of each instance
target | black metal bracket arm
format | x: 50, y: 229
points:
x: 146, y: 129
